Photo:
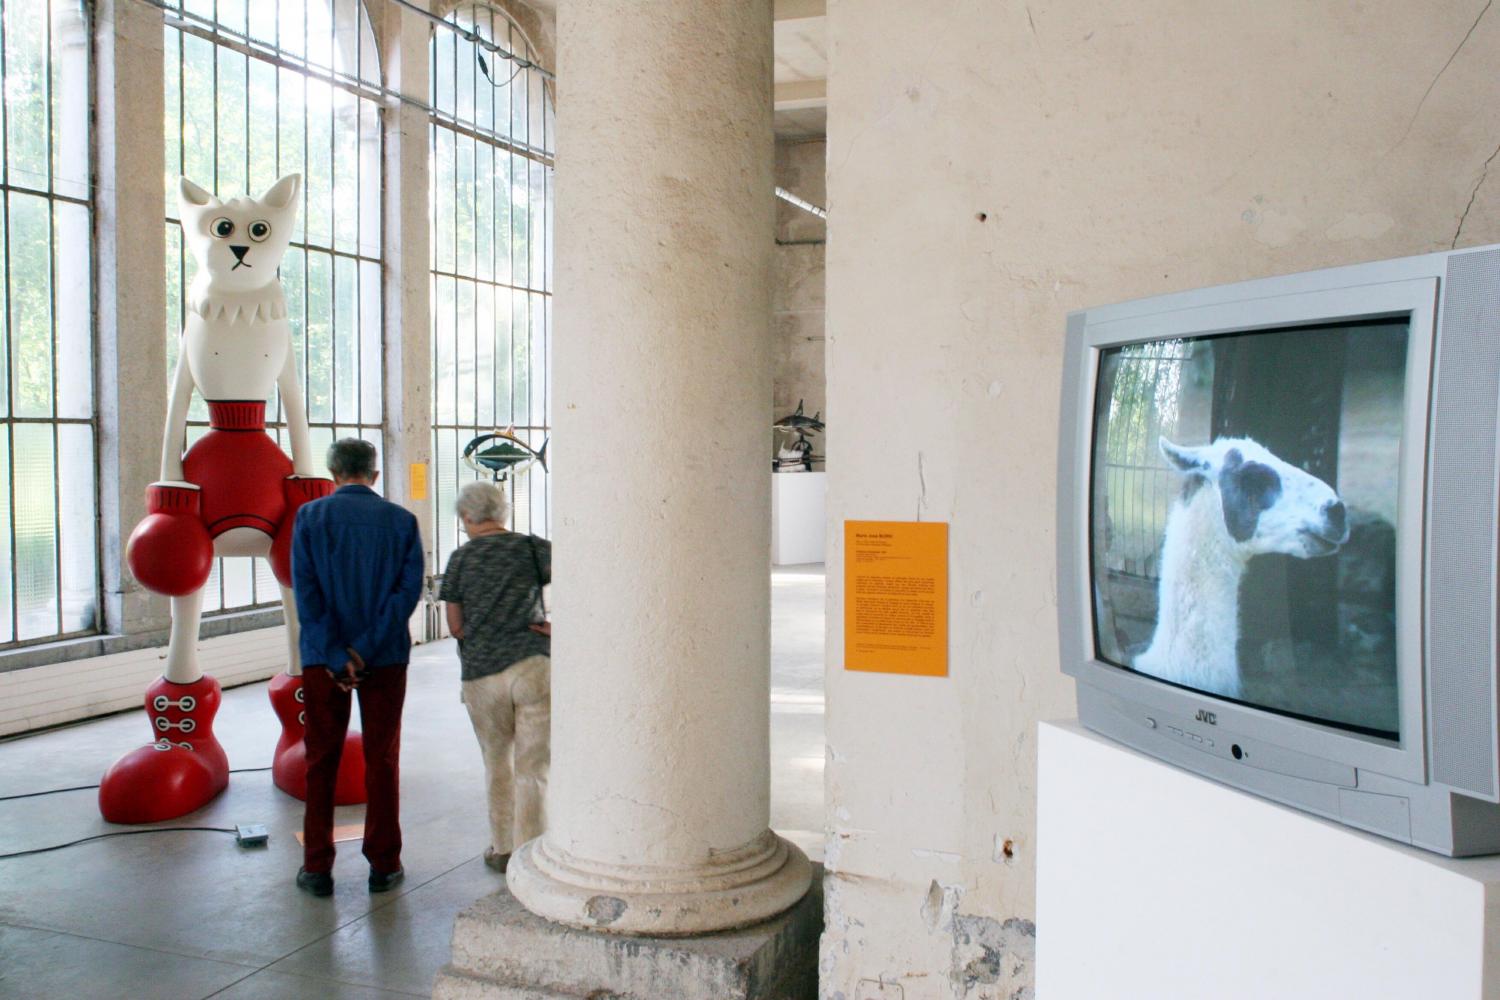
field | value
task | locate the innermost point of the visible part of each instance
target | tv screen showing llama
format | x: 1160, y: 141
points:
x: 1244, y: 517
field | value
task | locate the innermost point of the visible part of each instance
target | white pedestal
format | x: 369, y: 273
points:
x: 1155, y: 883
x: 797, y: 526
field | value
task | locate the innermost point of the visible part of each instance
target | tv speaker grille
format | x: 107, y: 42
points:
x: 1461, y: 544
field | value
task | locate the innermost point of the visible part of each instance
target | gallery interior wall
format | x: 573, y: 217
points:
x: 987, y: 173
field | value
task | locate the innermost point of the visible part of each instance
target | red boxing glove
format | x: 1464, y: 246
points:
x: 170, y: 551
x: 297, y: 491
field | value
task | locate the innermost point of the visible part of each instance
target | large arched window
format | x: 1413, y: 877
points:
x: 260, y: 88
x: 492, y: 133
x: 48, y: 534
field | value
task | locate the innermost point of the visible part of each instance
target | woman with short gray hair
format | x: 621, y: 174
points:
x: 493, y: 589
x: 481, y: 503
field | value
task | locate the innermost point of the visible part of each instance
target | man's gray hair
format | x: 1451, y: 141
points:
x: 482, y: 501
x: 351, y: 458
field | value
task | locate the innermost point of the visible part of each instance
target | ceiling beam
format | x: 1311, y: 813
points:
x: 794, y: 94
x: 786, y: 10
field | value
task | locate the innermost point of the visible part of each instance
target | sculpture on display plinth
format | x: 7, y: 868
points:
x: 233, y: 493
x: 797, y: 456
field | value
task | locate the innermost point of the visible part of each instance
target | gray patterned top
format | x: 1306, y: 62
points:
x: 494, y: 578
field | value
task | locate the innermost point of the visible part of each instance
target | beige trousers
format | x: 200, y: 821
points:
x: 512, y: 716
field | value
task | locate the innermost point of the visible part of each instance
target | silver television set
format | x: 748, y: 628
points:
x: 1277, y: 538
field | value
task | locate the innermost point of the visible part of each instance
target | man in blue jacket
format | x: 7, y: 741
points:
x: 357, y: 573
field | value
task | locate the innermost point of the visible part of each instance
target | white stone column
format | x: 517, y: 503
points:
x: 661, y: 385
x: 404, y: 38
x: 131, y: 299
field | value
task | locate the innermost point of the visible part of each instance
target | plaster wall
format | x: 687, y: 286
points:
x: 986, y: 174
x: 797, y: 301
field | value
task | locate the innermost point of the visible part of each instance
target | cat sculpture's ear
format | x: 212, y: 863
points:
x: 192, y: 196
x: 283, y: 192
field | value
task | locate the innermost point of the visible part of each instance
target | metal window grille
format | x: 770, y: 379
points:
x: 256, y: 89
x: 491, y: 132
x: 1137, y: 484
x: 49, y: 503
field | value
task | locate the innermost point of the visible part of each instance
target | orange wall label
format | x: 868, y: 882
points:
x: 896, y: 597
x: 419, y: 480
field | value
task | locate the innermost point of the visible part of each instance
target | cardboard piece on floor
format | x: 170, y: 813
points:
x: 349, y: 831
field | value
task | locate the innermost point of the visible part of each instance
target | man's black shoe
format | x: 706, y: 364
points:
x: 317, y: 883
x: 384, y: 881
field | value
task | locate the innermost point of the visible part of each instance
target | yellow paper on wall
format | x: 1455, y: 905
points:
x: 419, y: 480
x: 896, y: 597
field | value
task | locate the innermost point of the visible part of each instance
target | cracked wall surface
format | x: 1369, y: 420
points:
x: 988, y: 171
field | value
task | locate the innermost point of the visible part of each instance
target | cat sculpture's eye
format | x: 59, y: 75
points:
x: 222, y: 228
x: 259, y: 230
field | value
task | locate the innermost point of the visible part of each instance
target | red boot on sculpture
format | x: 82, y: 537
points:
x: 179, y: 773
x: 289, y: 765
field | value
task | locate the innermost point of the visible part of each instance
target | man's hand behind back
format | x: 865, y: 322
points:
x: 353, y: 673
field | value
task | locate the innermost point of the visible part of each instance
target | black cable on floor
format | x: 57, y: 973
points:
x: 80, y: 788
x: 50, y: 791
x: 119, y: 833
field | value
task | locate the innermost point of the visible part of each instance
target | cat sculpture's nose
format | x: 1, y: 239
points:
x: 239, y: 256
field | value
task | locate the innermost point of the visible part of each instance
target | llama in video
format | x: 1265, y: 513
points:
x: 1238, y: 501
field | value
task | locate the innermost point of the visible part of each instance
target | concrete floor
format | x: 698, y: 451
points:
x: 191, y: 915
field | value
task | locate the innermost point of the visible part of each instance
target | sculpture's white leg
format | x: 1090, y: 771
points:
x: 184, y: 765
x: 293, y: 632
x: 182, y: 649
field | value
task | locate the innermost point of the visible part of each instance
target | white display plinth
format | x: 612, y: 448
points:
x: 797, y: 528
x: 1155, y: 883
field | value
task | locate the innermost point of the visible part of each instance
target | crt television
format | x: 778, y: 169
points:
x: 1277, y: 543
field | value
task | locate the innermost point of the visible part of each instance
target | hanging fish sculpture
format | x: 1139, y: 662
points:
x: 503, y: 454
x: 799, y: 423
x: 798, y: 456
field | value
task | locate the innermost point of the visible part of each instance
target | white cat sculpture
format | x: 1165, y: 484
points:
x: 233, y: 493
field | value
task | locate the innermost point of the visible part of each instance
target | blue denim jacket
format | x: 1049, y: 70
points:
x: 357, y: 574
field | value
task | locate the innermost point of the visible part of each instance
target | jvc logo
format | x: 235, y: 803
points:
x: 1206, y: 716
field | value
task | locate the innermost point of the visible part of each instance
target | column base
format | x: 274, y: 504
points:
x: 736, y: 889
x: 502, y: 951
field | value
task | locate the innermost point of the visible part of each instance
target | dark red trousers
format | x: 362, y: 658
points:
x: 381, y: 696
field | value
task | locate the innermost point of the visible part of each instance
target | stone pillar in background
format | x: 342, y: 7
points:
x: 130, y: 246
x: 661, y: 380
x: 408, y: 342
